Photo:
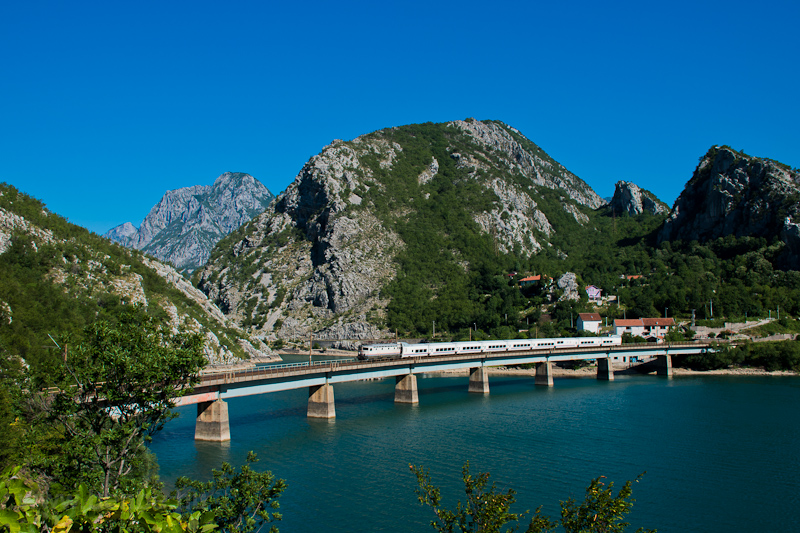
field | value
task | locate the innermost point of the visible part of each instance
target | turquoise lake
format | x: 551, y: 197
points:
x: 722, y: 453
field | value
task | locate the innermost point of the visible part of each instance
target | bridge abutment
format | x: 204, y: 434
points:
x: 544, y: 374
x: 212, y: 422
x: 664, y: 365
x: 320, y: 402
x: 478, y: 380
x: 605, y: 370
x: 405, y: 390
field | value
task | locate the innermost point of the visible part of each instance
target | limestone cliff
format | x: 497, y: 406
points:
x: 731, y: 193
x: 186, y: 223
x: 629, y: 198
x: 318, y: 258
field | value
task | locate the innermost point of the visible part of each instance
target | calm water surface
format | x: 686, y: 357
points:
x: 722, y: 453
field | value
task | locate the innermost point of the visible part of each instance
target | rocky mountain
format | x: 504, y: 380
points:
x: 415, y: 209
x: 629, y: 198
x: 56, y: 277
x: 731, y: 193
x: 186, y: 223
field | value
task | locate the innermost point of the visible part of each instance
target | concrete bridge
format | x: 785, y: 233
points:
x: 214, y: 388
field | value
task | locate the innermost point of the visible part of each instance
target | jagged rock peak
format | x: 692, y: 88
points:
x: 732, y: 193
x: 186, y: 223
x: 629, y: 198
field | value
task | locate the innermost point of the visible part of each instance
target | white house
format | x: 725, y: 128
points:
x: 589, y: 322
x: 633, y: 326
x: 644, y: 327
x: 657, y: 327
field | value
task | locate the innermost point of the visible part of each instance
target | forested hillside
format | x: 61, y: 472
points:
x: 56, y: 278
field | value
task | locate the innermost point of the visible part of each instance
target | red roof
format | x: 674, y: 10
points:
x: 664, y: 322
x: 637, y: 276
x: 622, y: 323
x: 590, y: 317
x: 532, y: 278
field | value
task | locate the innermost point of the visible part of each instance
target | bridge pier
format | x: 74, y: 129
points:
x: 405, y: 390
x: 320, y: 402
x: 478, y: 380
x: 605, y: 370
x: 544, y: 374
x: 664, y: 365
x: 212, y: 422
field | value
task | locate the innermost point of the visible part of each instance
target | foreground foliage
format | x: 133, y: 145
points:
x: 145, y: 512
x: 488, y: 510
x: 115, y: 390
x: 242, y: 501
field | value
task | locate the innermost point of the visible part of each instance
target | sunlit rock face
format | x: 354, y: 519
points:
x: 186, y: 223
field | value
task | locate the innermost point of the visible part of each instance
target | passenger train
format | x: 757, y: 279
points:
x: 404, y: 349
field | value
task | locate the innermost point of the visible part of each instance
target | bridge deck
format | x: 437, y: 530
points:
x: 272, y: 378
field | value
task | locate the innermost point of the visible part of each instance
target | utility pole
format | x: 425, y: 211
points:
x: 434, y: 329
x: 310, y: 345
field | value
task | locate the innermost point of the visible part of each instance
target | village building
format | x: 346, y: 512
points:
x: 633, y: 326
x: 649, y: 328
x: 657, y: 327
x: 595, y: 295
x: 589, y: 322
x: 530, y: 280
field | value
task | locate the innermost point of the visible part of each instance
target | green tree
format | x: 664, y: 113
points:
x: 242, y: 501
x: 116, y: 389
x: 486, y: 510
x: 601, y: 511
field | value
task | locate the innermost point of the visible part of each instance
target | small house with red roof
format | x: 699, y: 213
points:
x: 632, y: 326
x: 657, y: 327
x: 644, y: 327
x: 530, y: 280
x: 589, y: 322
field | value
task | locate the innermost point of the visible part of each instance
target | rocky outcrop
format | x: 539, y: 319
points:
x: 630, y: 199
x: 731, y: 193
x: 186, y: 223
x: 568, y: 284
x: 317, y: 260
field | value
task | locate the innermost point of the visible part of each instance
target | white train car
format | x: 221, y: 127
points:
x: 402, y: 349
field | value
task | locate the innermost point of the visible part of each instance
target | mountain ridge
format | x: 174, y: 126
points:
x: 186, y: 223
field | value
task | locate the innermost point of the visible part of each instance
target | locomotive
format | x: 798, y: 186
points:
x: 399, y: 350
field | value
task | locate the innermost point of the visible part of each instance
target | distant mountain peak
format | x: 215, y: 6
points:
x: 186, y: 223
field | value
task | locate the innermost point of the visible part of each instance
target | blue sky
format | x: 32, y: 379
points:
x: 104, y: 106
